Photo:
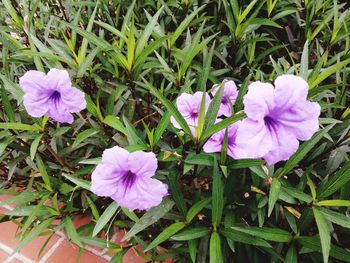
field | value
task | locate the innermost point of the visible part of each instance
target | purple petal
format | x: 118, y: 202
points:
x: 189, y: 107
x: 284, y: 145
x: 73, y: 99
x: 60, y: 114
x: 142, y: 164
x: 253, y: 139
x: 259, y: 100
x: 215, y: 142
x: 58, y: 79
x: 36, y: 106
x: 289, y: 90
x: 301, y: 119
x: 116, y: 157
x: 230, y: 93
x: 144, y: 194
x: 104, y: 180
x: 33, y: 81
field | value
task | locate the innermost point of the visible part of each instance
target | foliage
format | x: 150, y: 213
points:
x: 132, y: 59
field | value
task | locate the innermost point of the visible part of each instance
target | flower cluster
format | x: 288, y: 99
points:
x: 51, y: 94
x: 277, y: 117
x: 123, y: 176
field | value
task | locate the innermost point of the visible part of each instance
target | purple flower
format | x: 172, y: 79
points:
x: 127, y: 179
x: 189, y: 107
x: 229, y: 97
x: 276, y: 119
x: 215, y: 142
x: 51, y: 94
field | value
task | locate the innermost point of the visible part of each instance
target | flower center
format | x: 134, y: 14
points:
x: 128, y: 179
x: 270, y: 122
x: 55, y: 97
x: 194, y: 114
x: 224, y: 100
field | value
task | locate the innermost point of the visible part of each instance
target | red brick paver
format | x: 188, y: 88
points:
x: 58, y: 249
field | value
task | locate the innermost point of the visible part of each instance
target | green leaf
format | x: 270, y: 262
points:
x: 196, y: 208
x: 176, y: 193
x: 34, y: 233
x: 268, y: 233
x: 333, y: 203
x: 150, y: 48
x: 328, y: 72
x: 22, y: 198
x: 105, y: 218
x: 221, y: 125
x: 131, y: 133
x: 304, y: 62
x: 292, y: 255
x: 152, y: 216
x: 71, y: 231
x: 244, y: 163
x: 294, y: 192
x: 204, y: 74
x: 273, y: 194
x: 184, y: 24
x: 303, y: 150
x: 30, y: 219
x: 191, y: 233
x: 4, y: 143
x: 80, y: 182
x: 335, y: 183
x: 7, y: 106
x: 313, y: 243
x: 335, y: 217
x: 84, y: 135
x: 242, y: 91
x: 325, y: 236
x: 43, y: 173
x: 217, y: 195
x: 170, y: 106
x: 166, y: 234
x: 87, y: 62
x: 213, y: 109
x: 115, y: 123
x: 19, y: 126
x: 241, y: 237
x: 199, y: 159
x: 34, y: 146
x: 215, y: 255
x: 12, y: 12
x: 130, y: 214
x: 162, y: 125
x: 142, y: 41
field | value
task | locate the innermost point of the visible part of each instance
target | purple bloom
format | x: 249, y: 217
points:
x: 229, y: 97
x: 189, y: 107
x: 215, y: 142
x: 127, y: 179
x: 276, y: 119
x: 51, y: 94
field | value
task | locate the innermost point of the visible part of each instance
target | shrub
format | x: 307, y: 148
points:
x: 162, y: 90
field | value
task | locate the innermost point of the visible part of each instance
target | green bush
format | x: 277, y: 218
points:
x: 132, y: 60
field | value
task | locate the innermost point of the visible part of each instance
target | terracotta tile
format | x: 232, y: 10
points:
x: 132, y: 256
x: 3, y: 210
x: 69, y: 254
x: 6, y: 196
x: 7, y: 234
x: 81, y: 220
x: 3, y: 255
x: 16, y: 260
